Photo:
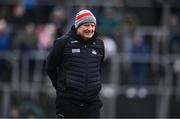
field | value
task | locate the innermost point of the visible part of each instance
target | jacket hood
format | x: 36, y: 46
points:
x: 73, y: 34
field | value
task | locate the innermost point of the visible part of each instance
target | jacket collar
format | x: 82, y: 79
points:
x: 73, y: 34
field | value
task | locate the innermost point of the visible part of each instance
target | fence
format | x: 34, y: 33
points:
x: 28, y: 79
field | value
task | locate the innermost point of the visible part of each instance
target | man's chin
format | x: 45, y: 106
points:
x: 89, y: 36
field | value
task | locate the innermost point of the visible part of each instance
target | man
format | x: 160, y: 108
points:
x: 74, y: 66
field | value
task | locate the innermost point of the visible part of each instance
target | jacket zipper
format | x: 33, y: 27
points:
x: 86, y: 73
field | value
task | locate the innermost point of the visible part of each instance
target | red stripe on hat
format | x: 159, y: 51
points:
x: 83, y: 15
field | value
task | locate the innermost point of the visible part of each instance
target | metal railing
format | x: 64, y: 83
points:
x: 163, y: 89
x: 22, y: 84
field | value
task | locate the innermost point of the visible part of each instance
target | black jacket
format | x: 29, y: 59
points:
x: 73, y: 66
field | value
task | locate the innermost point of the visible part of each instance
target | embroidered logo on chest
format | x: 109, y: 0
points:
x: 94, y: 52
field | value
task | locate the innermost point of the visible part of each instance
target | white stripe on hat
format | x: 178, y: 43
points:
x: 84, y: 16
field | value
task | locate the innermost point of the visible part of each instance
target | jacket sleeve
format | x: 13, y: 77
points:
x: 54, y: 59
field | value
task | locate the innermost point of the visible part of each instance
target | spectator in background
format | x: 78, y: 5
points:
x: 44, y: 9
x: 46, y: 36
x: 26, y: 109
x: 14, y: 112
x: 125, y: 32
x: 29, y: 7
x: 26, y: 39
x: 59, y: 19
x: 110, y: 53
x: 110, y: 48
x: 174, y: 26
x: 31, y: 110
x: 18, y: 20
x: 5, y: 43
x: 124, y: 38
x: 4, y: 36
x: 138, y: 69
x: 109, y: 21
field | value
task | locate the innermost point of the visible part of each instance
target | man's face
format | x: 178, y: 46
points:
x: 86, y: 31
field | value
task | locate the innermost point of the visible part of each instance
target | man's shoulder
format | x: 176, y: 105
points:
x: 99, y: 41
x: 61, y: 39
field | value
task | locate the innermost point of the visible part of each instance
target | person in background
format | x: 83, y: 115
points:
x: 26, y: 39
x: 74, y: 66
x: 138, y: 70
x: 5, y: 43
x: 110, y: 47
x: 4, y: 36
x: 46, y: 36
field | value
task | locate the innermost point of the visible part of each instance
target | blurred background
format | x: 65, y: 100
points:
x: 141, y: 71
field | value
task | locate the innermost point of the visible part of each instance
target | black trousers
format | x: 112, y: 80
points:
x: 66, y: 108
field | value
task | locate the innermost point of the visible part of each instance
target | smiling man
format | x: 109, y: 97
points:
x: 74, y: 66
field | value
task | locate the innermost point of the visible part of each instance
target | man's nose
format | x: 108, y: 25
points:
x: 91, y: 27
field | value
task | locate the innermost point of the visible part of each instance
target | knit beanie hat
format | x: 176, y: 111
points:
x: 84, y: 16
